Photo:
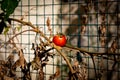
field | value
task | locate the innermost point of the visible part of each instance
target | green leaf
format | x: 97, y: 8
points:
x: 8, y: 6
x: 1, y: 28
x: 18, y: 28
x: 2, y: 25
x: 6, y: 30
x: 9, y: 21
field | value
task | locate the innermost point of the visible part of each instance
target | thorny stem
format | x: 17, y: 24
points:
x: 49, y: 42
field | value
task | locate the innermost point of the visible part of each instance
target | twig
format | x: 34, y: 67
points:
x: 94, y: 66
x: 23, y: 22
x: 19, y: 34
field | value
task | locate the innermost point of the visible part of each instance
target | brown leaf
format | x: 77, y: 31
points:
x: 2, y: 62
x: 48, y: 24
x: 57, y: 74
x: 48, y: 21
x: 83, y: 29
x: 103, y: 29
x: 3, y: 71
x: 80, y: 71
x: 21, y: 61
x: 10, y: 57
x: 35, y: 63
x: 113, y: 46
x: 102, y: 40
x: 7, y: 78
x: 41, y: 74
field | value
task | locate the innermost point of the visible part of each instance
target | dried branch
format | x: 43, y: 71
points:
x: 89, y: 52
x: 23, y: 22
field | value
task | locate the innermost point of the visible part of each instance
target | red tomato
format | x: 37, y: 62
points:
x: 59, y: 40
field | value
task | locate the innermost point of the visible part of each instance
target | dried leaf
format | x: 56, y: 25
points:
x: 48, y: 23
x: 114, y: 46
x: 83, y: 29
x: 21, y: 61
x: 2, y: 62
x: 3, y: 70
x: 84, y: 19
x: 103, y: 30
x: 76, y: 63
x: 49, y: 27
x: 33, y: 46
x: 35, y: 63
x: 8, y: 78
x: 80, y: 71
x: 41, y: 74
x: 57, y: 74
x: 11, y: 57
x: 102, y: 40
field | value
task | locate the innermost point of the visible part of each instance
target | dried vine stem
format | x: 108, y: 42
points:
x: 23, y: 22
x: 89, y: 52
x: 49, y: 42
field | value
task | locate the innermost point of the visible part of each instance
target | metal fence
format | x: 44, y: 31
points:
x: 92, y: 31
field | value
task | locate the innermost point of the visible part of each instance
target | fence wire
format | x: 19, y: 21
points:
x: 93, y: 35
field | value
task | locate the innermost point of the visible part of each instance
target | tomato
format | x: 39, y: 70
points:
x: 59, y: 40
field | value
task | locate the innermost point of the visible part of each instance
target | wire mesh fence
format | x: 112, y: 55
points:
x: 92, y: 51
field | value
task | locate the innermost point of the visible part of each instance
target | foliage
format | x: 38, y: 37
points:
x: 7, y: 7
